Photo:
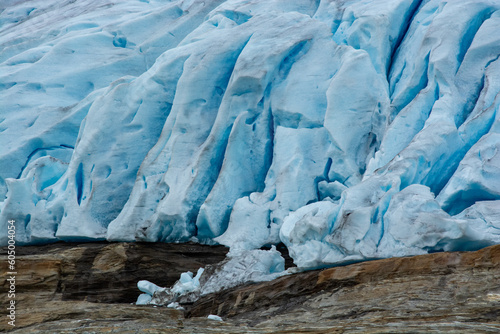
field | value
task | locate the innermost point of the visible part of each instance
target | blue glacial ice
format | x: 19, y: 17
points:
x: 348, y: 130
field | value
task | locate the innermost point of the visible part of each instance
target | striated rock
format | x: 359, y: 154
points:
x: 103, y: 272
x: 455, y: 292
x: 461, y: 289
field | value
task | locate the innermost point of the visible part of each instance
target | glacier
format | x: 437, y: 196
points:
x: 347, y: 130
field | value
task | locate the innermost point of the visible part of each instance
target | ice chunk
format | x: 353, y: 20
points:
x: 416, y: 222
x: 246, y: 266
x: 148, y: 287
x: 187, y: 286
x: 143, y: 299
x: 187, y: 283
x: 483, y: 213
x: 240, y: 267
x: 176, y: 306
x: 410, y: 222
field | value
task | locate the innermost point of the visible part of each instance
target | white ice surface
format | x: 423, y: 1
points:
x: 348, y: 130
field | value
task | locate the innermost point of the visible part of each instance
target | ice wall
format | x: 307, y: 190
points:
x: 348, y: 130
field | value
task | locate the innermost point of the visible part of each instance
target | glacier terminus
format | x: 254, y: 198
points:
x: 347, y: 130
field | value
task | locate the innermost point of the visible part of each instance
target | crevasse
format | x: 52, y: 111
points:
x: 348, y: 130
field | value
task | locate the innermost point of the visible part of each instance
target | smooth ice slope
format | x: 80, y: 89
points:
x: 348, y: 130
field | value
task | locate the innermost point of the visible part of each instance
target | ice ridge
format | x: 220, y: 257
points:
x: 348, y: 130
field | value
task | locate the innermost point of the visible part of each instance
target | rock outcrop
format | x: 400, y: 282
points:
x: 69, y: 288
x: 427, y: 291
x: 102, y: 272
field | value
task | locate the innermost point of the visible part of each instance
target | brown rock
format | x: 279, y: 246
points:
x: 421, y: 292
x: 102, y: 272
x: 435, y: 293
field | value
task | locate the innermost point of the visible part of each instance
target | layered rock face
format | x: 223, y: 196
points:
x: 104, y: 272
x: 348, y: 130
x: 434, y: 288
x: 435, y: 293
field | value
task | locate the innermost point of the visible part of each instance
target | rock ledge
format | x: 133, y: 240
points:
x: 82, y: 288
